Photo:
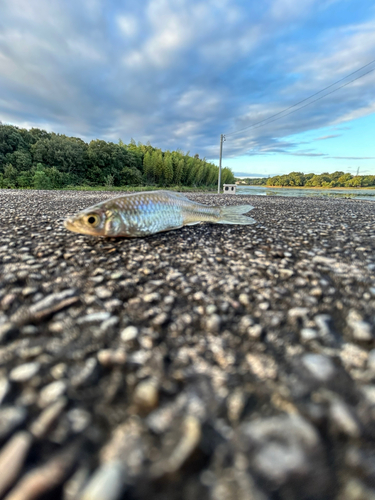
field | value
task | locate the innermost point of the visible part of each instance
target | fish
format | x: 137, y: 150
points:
x: 141, y: 214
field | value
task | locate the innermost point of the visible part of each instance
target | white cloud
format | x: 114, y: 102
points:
x: 128, y: 25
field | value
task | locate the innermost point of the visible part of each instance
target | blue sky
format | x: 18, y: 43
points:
x: 178, y: 73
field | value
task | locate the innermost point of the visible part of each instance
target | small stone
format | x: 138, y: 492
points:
x: 322, y: 322
x: 369, y: 393
x: 103, y: 293
x: 29, y: 290
x: 107, y: 482
x: 354, y: 489
x: 285, y: 273
x: 360, y: 329
x: 160, y: 319
x: 244, y: 299
x: 370, y: 361
x: 29, y: 330
x: 146, y: 395
x: 316, y: 292
x: 12, y: 457
x: 255, y: 331
x: 74, y: 486
x: 300, y: 282
x: 45, y: 478
x: 10, y: 418
x: 43, y: 423
x: 24, y: 372
x: 245, y: 322
x: 213, y: 323
x: 286, y: 450
x: 152, y: 297
x: 343, y: 420
x: 97, y: 317
x: 117, y: 275
x: 111, y: 357
x: 59, y: 371
x: 108, y: 324
x: 262, y: 365
x: 308, y: 334
x: 263, y: 306
x: 320, y: 367
x: 129, y: 333
x: 79, y: 419
x: 297, y: 312
x: 199, y: 296
x: 86, y: 374
x: 191, y: 435
x: 4, y: 389
x: 211, y: 309
x: 51, y: 392
x: 353, y: 356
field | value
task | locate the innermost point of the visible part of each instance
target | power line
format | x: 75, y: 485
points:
x: 257, y: 124
x: 318, y: 99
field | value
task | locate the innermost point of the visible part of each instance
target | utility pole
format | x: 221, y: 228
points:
x: 222, y: 139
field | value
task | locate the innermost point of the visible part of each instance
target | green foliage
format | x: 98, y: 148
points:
x: 131, y: 177
x: 10, y: 176
x: 227, y: 176
x: 41, y: 160
x: 109, y: 180
x: 167, y: 176
x: 40, y: 178
x: 326, y: 180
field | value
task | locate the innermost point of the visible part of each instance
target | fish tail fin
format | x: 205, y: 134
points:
x: 234, y: 215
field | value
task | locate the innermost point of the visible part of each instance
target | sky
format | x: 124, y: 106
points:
x: 179, y: 73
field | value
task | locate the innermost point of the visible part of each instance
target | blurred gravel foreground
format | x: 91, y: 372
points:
x: 211, y: 362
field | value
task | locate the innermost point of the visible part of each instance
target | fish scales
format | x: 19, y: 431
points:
x: 145, y: 213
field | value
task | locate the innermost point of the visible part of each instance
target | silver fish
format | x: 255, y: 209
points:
x: 149, y: 212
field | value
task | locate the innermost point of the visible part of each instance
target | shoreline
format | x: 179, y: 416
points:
x: 307, y: 187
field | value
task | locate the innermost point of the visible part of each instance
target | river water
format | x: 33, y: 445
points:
x: 358, y: 194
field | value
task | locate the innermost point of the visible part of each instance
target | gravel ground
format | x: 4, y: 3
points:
x: 211, y: 362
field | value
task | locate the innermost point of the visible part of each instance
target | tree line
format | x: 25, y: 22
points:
x: 45, y: 160
x: 337, y: 179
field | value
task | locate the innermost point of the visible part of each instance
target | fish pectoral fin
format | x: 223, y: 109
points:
x: 192, y: 223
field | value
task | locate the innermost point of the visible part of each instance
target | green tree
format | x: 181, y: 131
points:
x: 131, y: 177
x: 167, y: 170
x: 178, y: 172
x: 148, y: 168
x: 25, y: 179
x: 10, y: 176
x: 41, y: 179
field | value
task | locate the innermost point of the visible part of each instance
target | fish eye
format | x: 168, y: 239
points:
x: 93, y: 219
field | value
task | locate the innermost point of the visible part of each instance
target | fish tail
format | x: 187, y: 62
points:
x: 234, y: 215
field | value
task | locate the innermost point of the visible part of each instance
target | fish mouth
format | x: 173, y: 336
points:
x: 69, y: 224
x: 75, y: 227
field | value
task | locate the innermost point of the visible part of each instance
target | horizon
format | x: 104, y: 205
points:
x: 158, y: 72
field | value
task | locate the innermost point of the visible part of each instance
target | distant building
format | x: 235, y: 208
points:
x: 229, y: 188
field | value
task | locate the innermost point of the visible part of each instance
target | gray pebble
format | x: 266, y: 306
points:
x: 107, y: 482
x: 51, y: 392
x: 10, y: 418
x: 97, y: 317
x: 24, y: 372
x: 308, y: 334
x: 129, y: 333
x: 360, y: 329
x: 370, y: 361
x: 4, y: 389
x: 320, y: 367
